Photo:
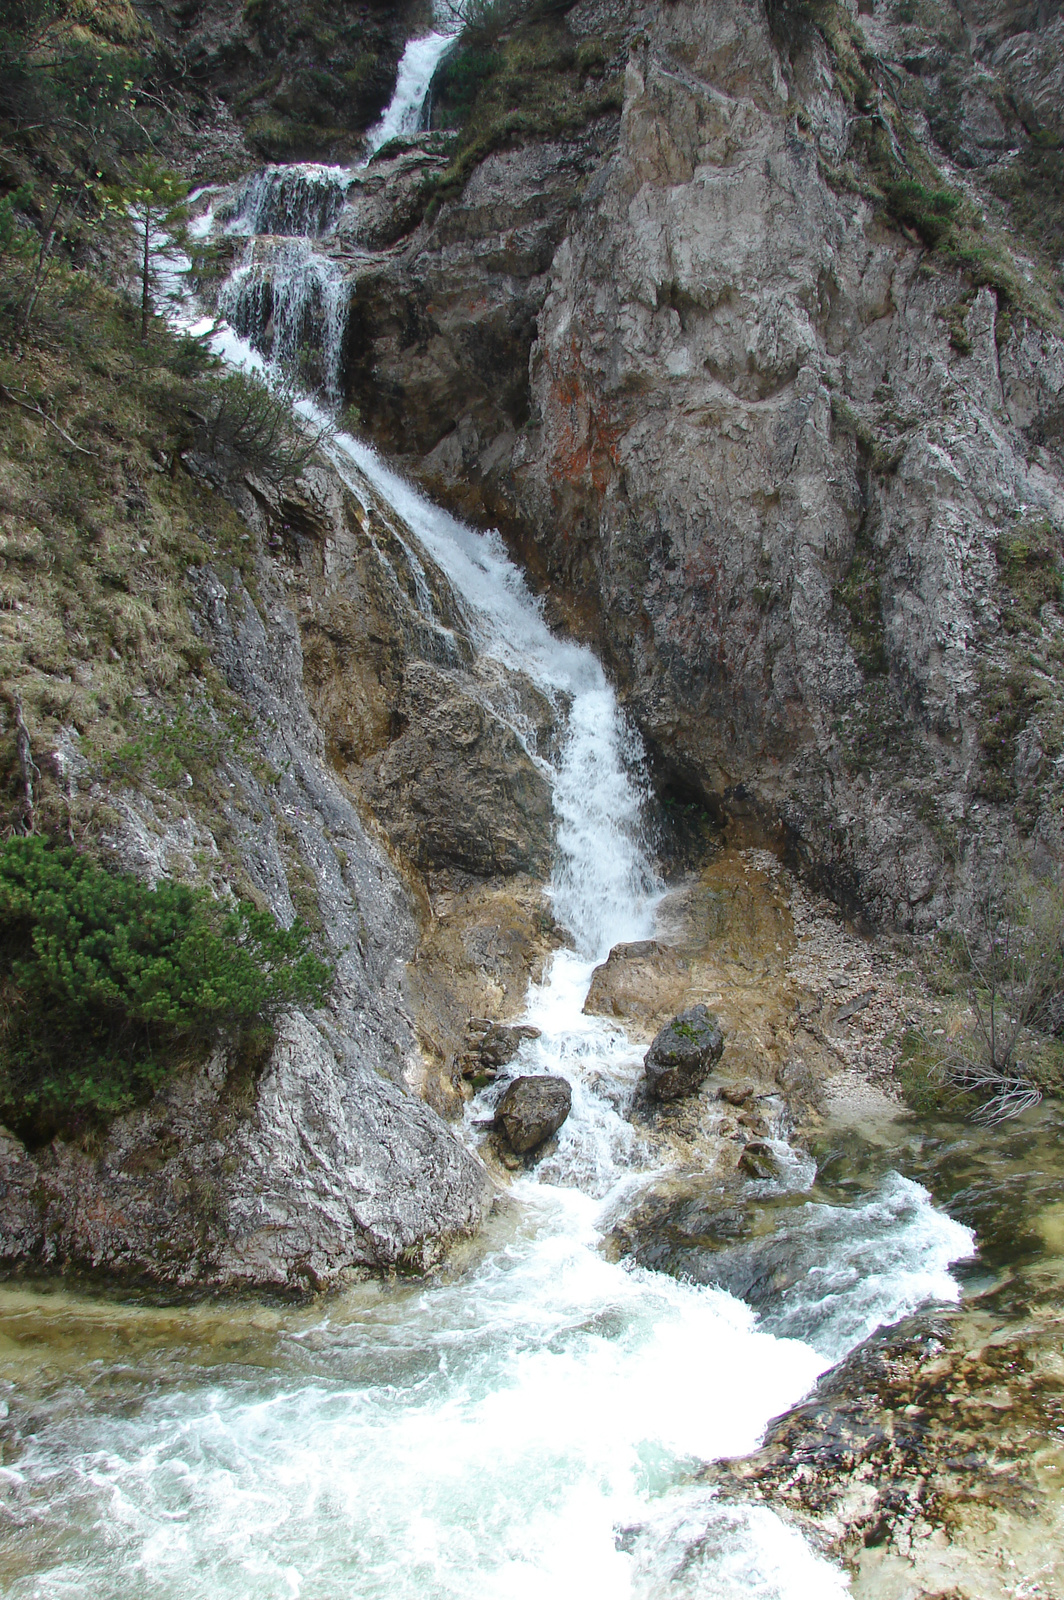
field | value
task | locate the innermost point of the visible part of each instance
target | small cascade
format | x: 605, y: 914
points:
x: 287, y: 296
x: 290, y: 302
x: 296, y: 202
x: 405, y: 114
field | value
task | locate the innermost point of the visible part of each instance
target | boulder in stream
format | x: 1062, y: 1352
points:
x: 494, y: 1045
x: 532, y: 1109
x: 645, y: 979
x: 759, y: 1160
x: 683, y: 1054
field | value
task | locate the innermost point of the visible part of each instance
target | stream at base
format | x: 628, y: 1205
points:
x: 530, y: 1423
x: 526, y: 1427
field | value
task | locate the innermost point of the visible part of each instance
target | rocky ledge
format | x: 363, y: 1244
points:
x: 928, y: 1462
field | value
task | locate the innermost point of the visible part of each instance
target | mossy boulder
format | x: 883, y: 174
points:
x: 683, y: 1054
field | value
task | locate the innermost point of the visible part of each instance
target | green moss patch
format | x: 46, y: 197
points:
x: 516, y: 76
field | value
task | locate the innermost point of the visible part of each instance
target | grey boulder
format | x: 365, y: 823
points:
x: 683, y: 1054
x: 532, y: 1109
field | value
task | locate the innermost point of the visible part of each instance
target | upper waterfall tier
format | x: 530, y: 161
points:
x: 297, y: 201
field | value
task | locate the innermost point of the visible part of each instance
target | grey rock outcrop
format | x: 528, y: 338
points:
x: 319, y: 1169
x: 642, y: 979
x: 457, y: 788
x: 532, y: 1109
x: 321, y: 1160
x: 683, y: 1054
x: 439, y: 328
x: 772, y: 448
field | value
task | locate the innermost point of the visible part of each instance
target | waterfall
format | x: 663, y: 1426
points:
x: 287, y: 293
x: 529, y: 1426
x: 290, y: 302
x: 302, y: 201
x: 420, y: 59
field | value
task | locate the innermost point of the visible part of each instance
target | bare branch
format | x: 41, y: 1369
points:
x: 36, y: 411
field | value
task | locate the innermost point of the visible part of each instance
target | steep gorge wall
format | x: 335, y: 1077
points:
x: 349, y: 768
x: 796, y: 472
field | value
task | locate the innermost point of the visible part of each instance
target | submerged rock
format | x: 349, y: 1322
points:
x: 532, y: 1109
x: 759, y: 1160
x: 683, y: 1054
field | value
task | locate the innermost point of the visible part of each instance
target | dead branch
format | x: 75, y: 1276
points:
x: 35, y: 410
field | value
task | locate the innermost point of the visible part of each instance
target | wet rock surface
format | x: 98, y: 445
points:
x: 531, y: 1110
x: 492, y: 1045
x: 637, y: 981
x: 927, y: 1465
x: 683, y: 1054
x: 457, y: 788
x: 724, y: 407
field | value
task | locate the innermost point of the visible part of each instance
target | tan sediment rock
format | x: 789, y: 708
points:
x: 642, y: 980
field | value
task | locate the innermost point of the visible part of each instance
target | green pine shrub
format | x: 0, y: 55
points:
x: 108, y: 986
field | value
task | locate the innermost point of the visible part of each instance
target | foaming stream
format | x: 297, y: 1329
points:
x: 529, y: 1427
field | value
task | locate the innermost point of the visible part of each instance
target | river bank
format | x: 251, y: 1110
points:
x: 545, y: 1409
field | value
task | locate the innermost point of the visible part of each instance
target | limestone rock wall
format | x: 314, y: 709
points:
x: 322, y: 1158
x: 774, y: 451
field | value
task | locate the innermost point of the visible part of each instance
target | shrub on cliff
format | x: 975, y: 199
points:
x: 1004, y: 958
x: 109, y: 986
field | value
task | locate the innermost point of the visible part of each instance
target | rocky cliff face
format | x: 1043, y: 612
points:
x: 789, y: 448
x: 346, y: 689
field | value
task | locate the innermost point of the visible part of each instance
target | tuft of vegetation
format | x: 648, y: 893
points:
x: 191, y: 743
x: 1008, y: 939
x: 247, y: 427
x: 1023, y: 684
x: 877, y: 728
x: 1009, y: 698
x: 955, y: 317
x: 108, y: 987
x: 517, y: 73
x: 1029, y: 574
x: 859, y: 592
x: 930, y: 212
x: 920, y: 1078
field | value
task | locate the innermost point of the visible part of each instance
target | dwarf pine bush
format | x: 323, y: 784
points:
x: 107, y: 986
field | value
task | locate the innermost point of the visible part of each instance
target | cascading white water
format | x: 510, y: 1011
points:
x: 286, y: 291
x: 529, y: 1427
x: 416, y: 68
x: 286, y: 297
x: 302, y: 201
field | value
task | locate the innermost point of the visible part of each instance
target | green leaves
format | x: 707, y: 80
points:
x: 110, y: 984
